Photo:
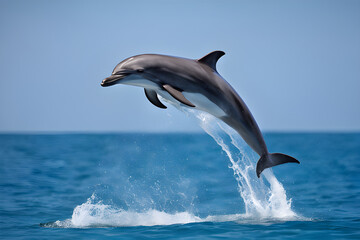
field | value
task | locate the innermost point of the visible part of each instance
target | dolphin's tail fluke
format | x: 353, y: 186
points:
x: 271, y: 160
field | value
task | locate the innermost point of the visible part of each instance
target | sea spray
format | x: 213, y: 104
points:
x: 94, y: 213
x: 261, y: 200
x: 264, y: 199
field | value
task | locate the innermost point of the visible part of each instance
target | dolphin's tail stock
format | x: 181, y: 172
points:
x: 271, y: 160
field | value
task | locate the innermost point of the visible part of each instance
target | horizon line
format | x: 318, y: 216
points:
x: 69, y: 132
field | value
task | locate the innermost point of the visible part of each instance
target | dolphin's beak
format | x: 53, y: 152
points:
x: 113, y: 79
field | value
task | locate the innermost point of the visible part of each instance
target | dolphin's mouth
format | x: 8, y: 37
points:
x: 113, y: 79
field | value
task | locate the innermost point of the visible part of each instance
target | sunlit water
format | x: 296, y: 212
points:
x: 178, y: 185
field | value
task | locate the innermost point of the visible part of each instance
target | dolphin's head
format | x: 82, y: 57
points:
x: 126, y: 71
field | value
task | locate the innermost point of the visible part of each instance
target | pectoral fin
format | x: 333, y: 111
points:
x: 177, y: 95
x: 153, y: 98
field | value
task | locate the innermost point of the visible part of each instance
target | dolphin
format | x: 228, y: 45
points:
x: 196, y: 84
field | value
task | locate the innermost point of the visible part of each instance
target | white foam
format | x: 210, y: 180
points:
x: 99, y: 214
x: 265, y: 201
x: 93, y: 214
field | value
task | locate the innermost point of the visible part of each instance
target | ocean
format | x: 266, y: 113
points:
x: 178, y: 185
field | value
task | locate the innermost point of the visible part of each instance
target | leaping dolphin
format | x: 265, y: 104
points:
x: 196, y: 84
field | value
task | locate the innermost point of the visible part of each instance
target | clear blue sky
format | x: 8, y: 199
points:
x: 295, y: 63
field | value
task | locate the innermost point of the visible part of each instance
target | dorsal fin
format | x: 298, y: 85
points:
x: 211, y: 59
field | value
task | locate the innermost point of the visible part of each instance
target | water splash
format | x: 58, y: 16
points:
x: 95, y: 214
x: 262, y: 199
x: 265, y: 198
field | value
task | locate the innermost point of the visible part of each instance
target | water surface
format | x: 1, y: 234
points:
x: 176, y: 186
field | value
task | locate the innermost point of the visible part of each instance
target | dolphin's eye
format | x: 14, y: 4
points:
x: 140, y: 70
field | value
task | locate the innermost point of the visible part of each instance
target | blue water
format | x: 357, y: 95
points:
x: 94, y: 186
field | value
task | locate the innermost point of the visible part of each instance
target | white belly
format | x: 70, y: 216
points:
x: 200, y: 101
